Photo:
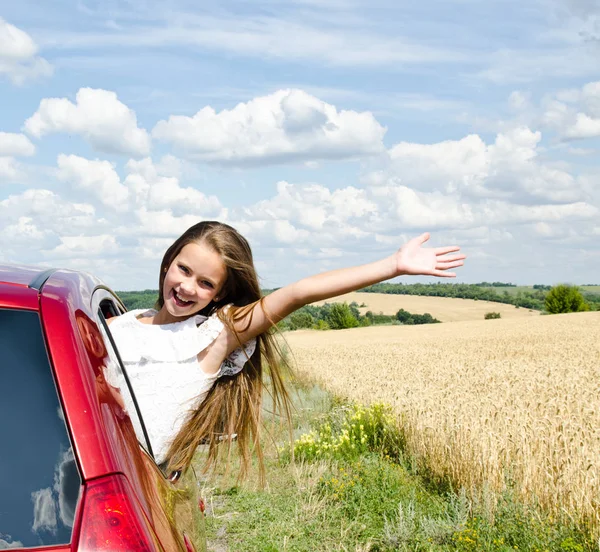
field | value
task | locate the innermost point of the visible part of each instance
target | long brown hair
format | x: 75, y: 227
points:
x: 234, y: 403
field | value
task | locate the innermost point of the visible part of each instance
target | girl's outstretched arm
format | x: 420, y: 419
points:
x: 411, y: 259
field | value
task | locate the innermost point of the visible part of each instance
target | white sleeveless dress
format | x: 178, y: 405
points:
x: 162, y: 365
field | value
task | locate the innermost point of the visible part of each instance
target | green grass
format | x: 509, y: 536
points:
x: 366, y: 497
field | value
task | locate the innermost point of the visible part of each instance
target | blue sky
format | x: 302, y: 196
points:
x: 327, y: 132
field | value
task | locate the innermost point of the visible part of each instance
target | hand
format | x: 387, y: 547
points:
x: 414, y: 259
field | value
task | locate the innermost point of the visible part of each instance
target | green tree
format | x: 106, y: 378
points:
x: 564, y: 298
x: 403, y: 316
x: 300, y: 320
x: 340, y: 316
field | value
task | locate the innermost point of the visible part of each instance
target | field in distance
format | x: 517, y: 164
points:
x: 445, y: 309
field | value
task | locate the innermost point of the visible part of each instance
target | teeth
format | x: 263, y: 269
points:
x: 181, y: 299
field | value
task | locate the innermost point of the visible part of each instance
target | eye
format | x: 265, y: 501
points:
x: 207, y: 284
x: 184, y: 269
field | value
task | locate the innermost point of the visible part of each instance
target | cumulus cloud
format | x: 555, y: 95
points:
x: 80, y: 246
x: 24, y: 230
x: 485, y: 195
x: 574, y: 113
x: 451, y: 186
x: 44, y: 511
x: 97, y: 178
x: 406, y: 208
x: 97, y: 115
x: 18, y: 59
x: 66, y: 486
x: 313, y: 206
x: 39, y: 217
x: 155, y: 187
x: 9, y: 169
x: 265, y: 233
x: 509, y: 168
x: 6, y: 545
x: 287, y: 126
x: 158, y: 223
x: 15, y: 145
x: 452, y: 164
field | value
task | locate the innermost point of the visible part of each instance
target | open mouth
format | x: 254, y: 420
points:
x: 179, y: 301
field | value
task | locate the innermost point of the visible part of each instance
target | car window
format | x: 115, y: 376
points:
x: 115, y: 373
x: 39, y: 480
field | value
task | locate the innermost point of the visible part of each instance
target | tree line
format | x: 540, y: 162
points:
x: 530, y: 299
x: 557, y: 299
x: 339, y: 316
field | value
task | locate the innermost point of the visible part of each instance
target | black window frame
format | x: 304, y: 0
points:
x: 105, y: 301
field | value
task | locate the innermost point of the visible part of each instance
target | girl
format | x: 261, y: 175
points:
x: 196, y: 362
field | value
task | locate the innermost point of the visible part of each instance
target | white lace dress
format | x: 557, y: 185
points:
x: 162, y: 365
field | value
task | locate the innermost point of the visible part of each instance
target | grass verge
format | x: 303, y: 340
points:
x: 348, y: 486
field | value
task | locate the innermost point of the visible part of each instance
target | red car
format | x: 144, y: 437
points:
x: 73, y: 474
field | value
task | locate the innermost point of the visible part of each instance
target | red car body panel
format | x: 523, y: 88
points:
x: 16, y: 296
x: 60, y: 303
x: 101, y: 433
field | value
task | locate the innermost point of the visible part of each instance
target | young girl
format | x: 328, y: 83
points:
x: 197, y: 362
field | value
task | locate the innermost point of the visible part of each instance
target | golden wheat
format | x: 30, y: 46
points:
x: 482, y: 403
x: 446, y: 309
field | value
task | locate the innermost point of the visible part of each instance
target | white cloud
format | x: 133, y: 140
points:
x: 157, y: 223
x: 590, y: 97
x: 574, y: 113
x: 287, y: 126
x: 583, y: 127
x: 5, y: 545
x: 9, y: 169
x: 82, y: 246
x: 65, y: 479
x: 25, y: 231
x: 154, y: 187
x: 312, y: 206
x: 267, y: 232
x: 44, y: 511
x: 292, y: 38
x: 97, y: 178
x: 452, y: 164
x: 509, y: 168
x: 98, y: 115
x: 15, y: 145
x: 402, y: 207
x: 48, y: 210
x: 519, y: 100
x: 18, y: 59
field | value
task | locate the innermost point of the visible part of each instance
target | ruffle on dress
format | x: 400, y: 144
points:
x: 175, y: 342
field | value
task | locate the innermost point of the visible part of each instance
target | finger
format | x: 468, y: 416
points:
x: 452, y: 258
x: 442, y: 274
x: 447, y: 265
x: 423, y: 238
x: 444, y: 250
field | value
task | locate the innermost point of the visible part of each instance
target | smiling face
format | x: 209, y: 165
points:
x: 193, y: 280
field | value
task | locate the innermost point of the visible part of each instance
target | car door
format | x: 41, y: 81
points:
x: 169, y: 504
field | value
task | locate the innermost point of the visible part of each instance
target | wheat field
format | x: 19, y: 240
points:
x: 445, y: 309
x: 482, y: 402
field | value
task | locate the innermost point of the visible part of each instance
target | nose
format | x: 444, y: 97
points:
x: 186, y: 286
